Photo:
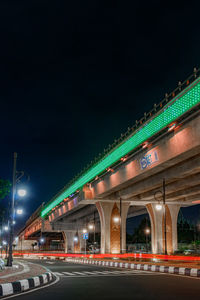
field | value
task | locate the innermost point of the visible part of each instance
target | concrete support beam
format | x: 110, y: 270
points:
x: 183, y: 169
x: 190, y: 184
x: 158, y: 228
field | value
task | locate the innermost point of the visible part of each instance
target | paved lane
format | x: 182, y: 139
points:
x: 92, y: 282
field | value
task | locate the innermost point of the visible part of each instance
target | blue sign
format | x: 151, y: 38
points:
x: 149, y: 159
x: 85, y: 236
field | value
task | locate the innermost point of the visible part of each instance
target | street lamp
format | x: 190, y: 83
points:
x: 90, y: 226
x: 15, y: 179
x: 21, y: 192
x: 76, y: 239
x: 147, y: 232
x: 84, y: 230
x: 116, y: 219
x: 19, y: 211
x: 6, y: 228
x: 158, y: 207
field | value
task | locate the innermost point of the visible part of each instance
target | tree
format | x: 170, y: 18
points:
x: 5, y: 187
x: 139, y: 235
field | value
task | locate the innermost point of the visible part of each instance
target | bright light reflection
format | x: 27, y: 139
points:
x: 19, y: 211
x: 91, y: 226
x: 116, y: 219
x: 21, y: 192
x: 158, y: 206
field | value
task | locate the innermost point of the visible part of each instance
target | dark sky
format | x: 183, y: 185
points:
x: 75, y: 74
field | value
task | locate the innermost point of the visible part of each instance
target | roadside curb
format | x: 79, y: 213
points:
x: 20, y: 286
x: 193, y: 272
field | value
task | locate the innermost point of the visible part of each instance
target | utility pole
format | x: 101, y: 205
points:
x: 94, y: 227
x: 10, y: 254
x: 165, y: 227
x: 120, y: 207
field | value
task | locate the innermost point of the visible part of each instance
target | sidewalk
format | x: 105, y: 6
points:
x: 22, y: 277
x: 20, y: 270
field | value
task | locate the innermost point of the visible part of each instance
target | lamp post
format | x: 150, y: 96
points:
x: 84, y: 232
x: 10, y: 254
x: 147, y: 232
x: 21, y: 193
x: 159, y: 207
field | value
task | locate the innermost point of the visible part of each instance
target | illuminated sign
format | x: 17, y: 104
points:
x: 148, y: 160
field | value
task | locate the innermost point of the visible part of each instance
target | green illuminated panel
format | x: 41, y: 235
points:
x: 184, y: 102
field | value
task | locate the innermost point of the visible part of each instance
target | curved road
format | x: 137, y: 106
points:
x: 79, y: 282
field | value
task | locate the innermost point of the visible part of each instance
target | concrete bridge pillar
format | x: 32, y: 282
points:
x: 24, y: 244
x: 112, y: 232
x: 69, y: 241
x: 158, y: 227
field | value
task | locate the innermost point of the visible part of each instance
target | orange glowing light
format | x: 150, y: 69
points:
x: 110, y: 170
x: 172, y: 126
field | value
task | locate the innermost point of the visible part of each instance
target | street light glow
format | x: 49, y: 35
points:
x: 75, y: 239
x: 21, y: 192
x: 6, y: 228
x: 84, y: 230
x: 91, y: 226
x: 116, y: 219
x: 19, y: 211
x: 158, y: 206
x: 147, y: 230
x: 42, y: 240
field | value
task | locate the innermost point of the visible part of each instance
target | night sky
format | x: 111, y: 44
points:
x: 75, y: 74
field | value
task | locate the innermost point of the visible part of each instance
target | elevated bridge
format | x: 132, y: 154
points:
x: 154, y: 167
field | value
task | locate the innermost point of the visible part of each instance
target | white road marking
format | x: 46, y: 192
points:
x: 106, y: 273
x: 100, y: 272
x: 58, y: 274
x: 68, y: 273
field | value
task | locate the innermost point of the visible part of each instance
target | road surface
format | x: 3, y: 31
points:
x: 93, y: 282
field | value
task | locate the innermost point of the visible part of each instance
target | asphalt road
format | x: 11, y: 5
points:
x: 92, y: 282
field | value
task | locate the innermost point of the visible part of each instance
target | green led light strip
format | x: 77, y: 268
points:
x: 174, y: 109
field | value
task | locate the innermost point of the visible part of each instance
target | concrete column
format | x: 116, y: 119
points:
x: 69, y: 241
x: 81, y: 243
x: 158, y: 227
x: 25, y: 244
x: 124, y: 213
x: 109, y: 213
